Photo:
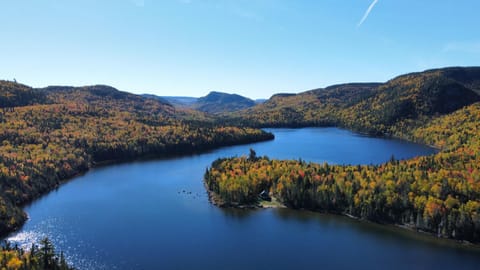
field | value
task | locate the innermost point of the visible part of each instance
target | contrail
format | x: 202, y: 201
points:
x: 365, y: 16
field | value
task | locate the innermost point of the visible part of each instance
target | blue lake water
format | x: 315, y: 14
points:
x: 156, y: 215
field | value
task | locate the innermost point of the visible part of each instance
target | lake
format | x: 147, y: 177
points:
x: 156, y: 215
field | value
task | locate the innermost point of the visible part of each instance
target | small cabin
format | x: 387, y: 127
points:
x: 264, y: 196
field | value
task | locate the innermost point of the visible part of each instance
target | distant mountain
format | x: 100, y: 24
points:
x: 438, y: 193
x: 213, y: 103
x: 311, y: 108
x: 176, y: 100
x: 417, y: 96
x: 51, y: 134
x: 107, y: 97
x: 217, y: 102
x: 376, y: 108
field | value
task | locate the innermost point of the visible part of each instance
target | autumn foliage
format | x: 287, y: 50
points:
x: 438, y: 193
x: 55, y: 133
x: 41, y: 257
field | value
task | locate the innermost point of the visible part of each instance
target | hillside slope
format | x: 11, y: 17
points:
x: 439, y: 193
x: 13, y: 94
x: 217, y: 102
x: 318, y: 107
x: 181, y: 102
x: 398, y: 103
x: 389, y: 108
x: 74, y: 128
x: 212, y: 103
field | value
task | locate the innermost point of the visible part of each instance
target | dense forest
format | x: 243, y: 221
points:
x: 213, y: 103
x: 49, y: 135
x: 438, y: 193
x: 392, y: 108
x: 42, y: 257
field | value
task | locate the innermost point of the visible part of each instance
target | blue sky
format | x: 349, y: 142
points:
x: 251, y: 47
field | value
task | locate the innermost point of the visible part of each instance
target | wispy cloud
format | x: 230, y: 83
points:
x: 365, y: 16
x: 464, y: 47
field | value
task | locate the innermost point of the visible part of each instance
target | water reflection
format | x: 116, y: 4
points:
x: 116, y: 217
x: 236, y: 213
x: 388, y: 233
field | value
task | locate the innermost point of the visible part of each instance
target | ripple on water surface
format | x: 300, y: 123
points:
x: 50, y: 228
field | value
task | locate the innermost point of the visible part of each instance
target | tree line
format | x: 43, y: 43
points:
x: 45, y: 143
x: 439, y: 193
x: 38, y: 257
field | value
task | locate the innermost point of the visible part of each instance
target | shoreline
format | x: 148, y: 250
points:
x: 215, y: 199
x: 92, y: 165
x: 361, y: 133
x: 148, y: 157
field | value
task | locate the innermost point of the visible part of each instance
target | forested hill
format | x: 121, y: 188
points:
x: 177, y: 101
x: 318, y: 107
x: 399, y: 103
x: 90, y: 93
x: 51, y: 134
x: 102, y: 99
x: 386, y: 108
x: 439, y: 193
x: 13, y: 94
x: 214, y: 103
x: 217, y: 102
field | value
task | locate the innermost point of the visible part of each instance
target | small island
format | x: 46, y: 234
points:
x: 123, y: 125
x: 439, y: 193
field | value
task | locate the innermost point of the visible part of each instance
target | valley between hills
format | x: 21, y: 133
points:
x: 52, y: 134
x: 438, y: 193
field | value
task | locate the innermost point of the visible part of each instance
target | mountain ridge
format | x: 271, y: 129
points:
x: 218, y: 102
x: 383, y: 107
x: 214, y: 102
x: 46, y: 141
x: 51, y: 134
